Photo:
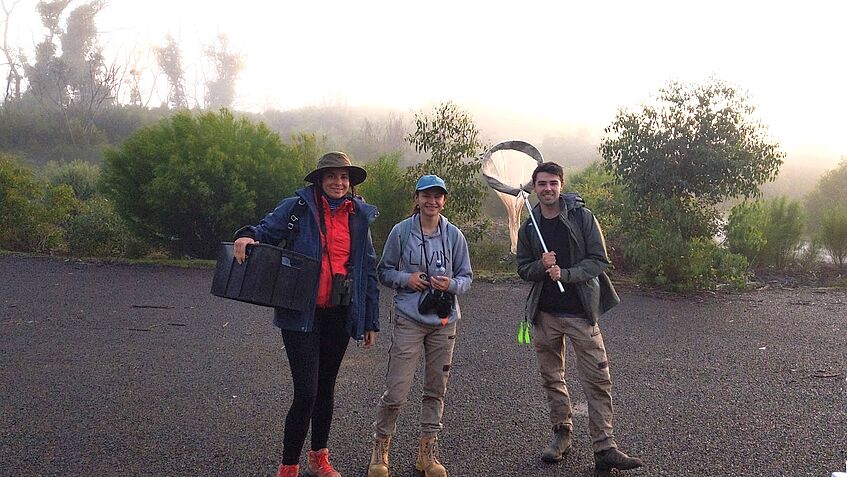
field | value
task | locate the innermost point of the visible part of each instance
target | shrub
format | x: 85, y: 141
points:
x: 387, y: 189
x: 783, y: 232
x: 32, y: 212
x: 97, y: 231
x: 492, y: 254
x: 605, y: 198
x: 190, y: 181
x: 833, y: 233
x: 768, y: 233
x: 80, y: 175
x: 830, y: 190
x: 658, y: 247
x: 809, y: 256
x: 671, y: 261
x: 745, y: 231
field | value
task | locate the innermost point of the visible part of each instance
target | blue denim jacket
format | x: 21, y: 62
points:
x: 363, y: 312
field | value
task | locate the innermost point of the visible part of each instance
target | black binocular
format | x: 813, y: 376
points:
x: 342, y: 290
x: 437, y: 301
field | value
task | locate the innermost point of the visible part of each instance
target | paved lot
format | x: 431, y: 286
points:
x: 120, y: 370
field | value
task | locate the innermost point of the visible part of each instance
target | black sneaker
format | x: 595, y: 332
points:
x: 612, y: 458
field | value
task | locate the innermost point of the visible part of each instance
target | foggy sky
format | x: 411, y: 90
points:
x: 540, y: 66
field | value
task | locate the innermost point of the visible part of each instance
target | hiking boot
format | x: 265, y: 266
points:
x: 428, y: 461
x: 288, y: 470
x: 612, y: 458
x: 378, y: 466
x: 559, y: 445
x: 317, y: 464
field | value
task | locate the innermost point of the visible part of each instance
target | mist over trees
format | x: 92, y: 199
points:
x: 169, y: 58
x: 181, y: 175
x: 226, y: 66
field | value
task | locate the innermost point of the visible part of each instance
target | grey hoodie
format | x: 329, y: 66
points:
x: 394, y: 271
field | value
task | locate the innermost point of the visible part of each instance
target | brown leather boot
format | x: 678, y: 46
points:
x: 559, y: 445
x: 428, y: 461
x: 608, y: 459
x: 378, y: 466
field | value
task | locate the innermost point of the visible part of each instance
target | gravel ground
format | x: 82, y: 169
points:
x: 138, y: 370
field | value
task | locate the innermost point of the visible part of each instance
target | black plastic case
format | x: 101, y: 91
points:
x: 271, y: 276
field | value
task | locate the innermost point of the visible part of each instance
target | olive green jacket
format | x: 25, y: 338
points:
x: 588, y: 254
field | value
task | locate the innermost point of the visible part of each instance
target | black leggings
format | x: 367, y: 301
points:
x: 314, y: 358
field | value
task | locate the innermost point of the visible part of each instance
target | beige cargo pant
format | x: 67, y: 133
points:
x: 592, y: 367
x: 408, y: 340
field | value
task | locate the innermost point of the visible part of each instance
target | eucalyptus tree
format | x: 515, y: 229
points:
x: 450, y: 137
x: 227, y: 66
x: 169, y: 58
x: 693, y: 147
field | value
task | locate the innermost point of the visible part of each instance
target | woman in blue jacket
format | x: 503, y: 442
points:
x: 328, y: 222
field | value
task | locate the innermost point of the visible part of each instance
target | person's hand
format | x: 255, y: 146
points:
x: 370, y: 338
x: 417, y: 283
x: 240, y: 248
x: 440, y: 283
x: 555, y: 273
x: 548, y: 259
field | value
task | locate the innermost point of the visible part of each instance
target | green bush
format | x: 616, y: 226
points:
x: 745, y: 231
x: 830, y: 190
x: 657, y: 246
x: 671, y: 261
x: 605, y: 198
x: 833, y: 233
x: 768, y: 233
x: 190, y: 181
x: 809, y: 257
x: 783, y: 232
x: 98, y: 231
x: 80, y: 175
x: 32, y: 213
x: 492, y: 254
x: 387, y: 188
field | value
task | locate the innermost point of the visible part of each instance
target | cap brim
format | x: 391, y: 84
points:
x: 434, y: 187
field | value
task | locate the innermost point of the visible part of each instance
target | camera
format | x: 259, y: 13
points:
x: 438, y: 302
x: 341, y: 291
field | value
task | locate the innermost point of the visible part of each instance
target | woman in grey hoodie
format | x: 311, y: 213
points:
x: 426, y: 262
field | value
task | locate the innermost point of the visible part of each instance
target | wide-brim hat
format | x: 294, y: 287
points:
x: 335, y: 159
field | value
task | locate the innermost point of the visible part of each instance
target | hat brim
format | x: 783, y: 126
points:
x: 357, y: 174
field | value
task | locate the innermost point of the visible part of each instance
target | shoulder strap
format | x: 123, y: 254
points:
x: 289, y: 234
x: 405, y: 232
x: 452, y: 234
x: 452, y: 238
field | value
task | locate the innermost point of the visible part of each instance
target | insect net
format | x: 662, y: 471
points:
x: 508, y: 167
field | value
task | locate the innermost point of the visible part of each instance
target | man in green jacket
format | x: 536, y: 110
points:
x: 577, y: 260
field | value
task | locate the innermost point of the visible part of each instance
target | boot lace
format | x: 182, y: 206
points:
x: 322, y: 462
x: 431, y: 450
x: 382, y: 448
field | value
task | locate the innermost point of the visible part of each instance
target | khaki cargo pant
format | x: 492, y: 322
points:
x: 592, y: 367
x: 408, y: 339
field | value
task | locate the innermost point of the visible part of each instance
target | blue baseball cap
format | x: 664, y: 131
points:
x: 429, y: 181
